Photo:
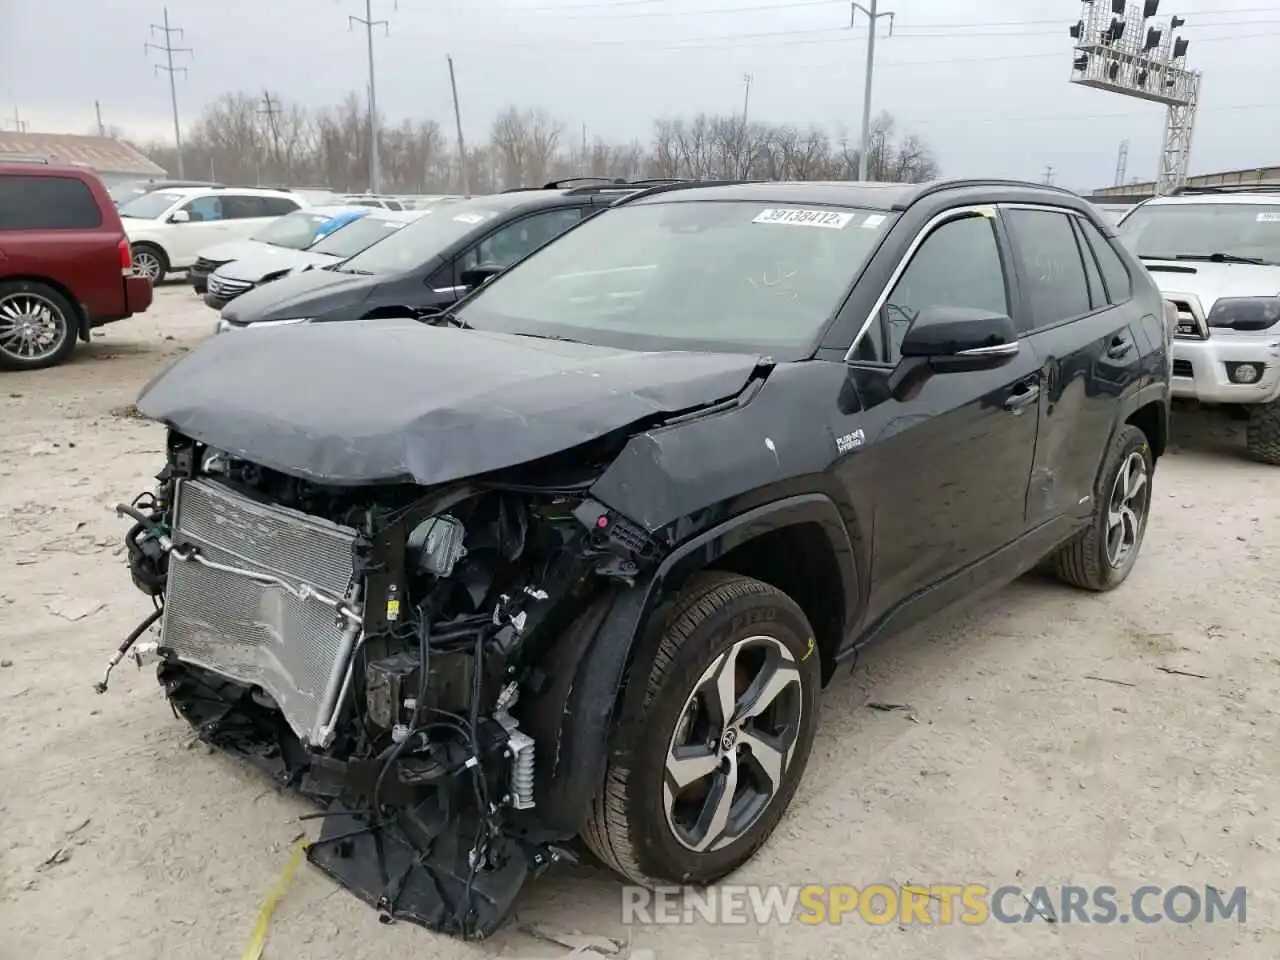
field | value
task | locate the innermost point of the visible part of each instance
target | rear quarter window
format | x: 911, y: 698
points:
x: 47, y: 203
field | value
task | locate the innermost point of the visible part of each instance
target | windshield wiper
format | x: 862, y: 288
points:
x: 361, y: 273
x: 447, y: 320
x: 1219, y: 258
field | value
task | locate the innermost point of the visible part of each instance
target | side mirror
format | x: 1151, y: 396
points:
x: 959, y: 339
x: 180, y: 216
x: 951, y: 340
x: 478, y: 276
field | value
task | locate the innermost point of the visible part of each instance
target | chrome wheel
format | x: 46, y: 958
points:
x: 32, y: 328
x: 1127, y: 509
x: 146, y: 264
x: 733, y: 744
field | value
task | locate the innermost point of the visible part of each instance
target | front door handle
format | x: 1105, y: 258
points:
x: 1119, y: 348
x: 1023, y: 395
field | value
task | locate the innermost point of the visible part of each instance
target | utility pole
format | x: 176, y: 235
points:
x: 271, y: 110
x: 746, y: 98
x: 1048, y: 175
x: 584, y: 171
x: 457, y: 119
x: 367, y: 21
x: 168, y: 49
x: 874, y: 17
x: 97, y: 109
x: 17, y: 122
x: 1122, y: 162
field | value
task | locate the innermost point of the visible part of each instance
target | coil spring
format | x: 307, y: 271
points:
x: 522, y: 776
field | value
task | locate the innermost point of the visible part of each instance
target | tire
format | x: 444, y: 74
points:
x: 150, y: 261
x: 719, y: 619
x: 1094, y: 560
x: 38, y: 326
x: 1262, y: 435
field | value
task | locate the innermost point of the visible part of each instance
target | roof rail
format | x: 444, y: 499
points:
x: 668, y: 186
x: 1227, y: 188
x: 23, y: 158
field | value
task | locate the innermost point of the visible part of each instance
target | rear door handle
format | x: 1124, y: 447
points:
x: 1119, y: 348
x: 1023, y: 395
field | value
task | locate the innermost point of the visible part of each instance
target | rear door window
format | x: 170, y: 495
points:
x: 1051, y: 267
x: 47, y: 203
x: 237, y: 206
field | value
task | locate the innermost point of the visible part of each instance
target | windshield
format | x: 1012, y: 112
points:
x: 294, y: 230
x: 696, y: 275
x: 150, y: 205
x: 358, y: 235
x: 1168, y: 231
x: 422, y: 239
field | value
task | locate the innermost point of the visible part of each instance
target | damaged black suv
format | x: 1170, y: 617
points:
x: 573, y: 560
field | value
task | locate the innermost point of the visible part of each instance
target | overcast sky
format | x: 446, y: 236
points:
x: 985, y: 82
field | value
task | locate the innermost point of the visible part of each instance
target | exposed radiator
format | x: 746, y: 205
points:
x: 291, y: 644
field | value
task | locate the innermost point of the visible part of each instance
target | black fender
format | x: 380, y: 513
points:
x: 587, y: 708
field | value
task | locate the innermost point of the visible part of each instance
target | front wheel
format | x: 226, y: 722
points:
x: 1102, y: 557
x: 1262, y: 434
x: 722, y: 738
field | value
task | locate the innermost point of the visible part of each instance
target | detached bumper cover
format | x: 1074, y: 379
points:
x: 1201, y: 367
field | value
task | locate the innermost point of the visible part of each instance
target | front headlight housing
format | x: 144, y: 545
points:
x: 1248, y: 314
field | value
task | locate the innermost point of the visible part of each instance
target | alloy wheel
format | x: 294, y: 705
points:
x: 32, y: 328
x: 733, y: 744
x: 147, y: 264
x: 1127, y: 509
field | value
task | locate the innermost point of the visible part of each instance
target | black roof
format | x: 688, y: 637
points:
x: 848, y: 193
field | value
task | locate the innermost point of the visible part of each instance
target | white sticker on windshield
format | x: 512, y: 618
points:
x: 472, y: 217
x: 873, y: 221
x: 805, y: 218
x: 1269, y: 218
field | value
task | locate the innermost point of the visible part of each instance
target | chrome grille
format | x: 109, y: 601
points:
x: 254, y: 632
x: 226, y: 287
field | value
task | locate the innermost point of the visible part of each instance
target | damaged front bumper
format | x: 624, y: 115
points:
x: 382, y: 660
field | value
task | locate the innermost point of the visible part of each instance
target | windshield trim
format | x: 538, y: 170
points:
x: 648, y: 342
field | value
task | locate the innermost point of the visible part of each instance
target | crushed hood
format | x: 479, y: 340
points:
x: 1211, y: 282
x: 301, y: 294
x: 272, y: 260
x: 229, y: 250
x: 383, y: 401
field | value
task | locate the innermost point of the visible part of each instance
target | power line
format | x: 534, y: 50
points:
x: 784, y: 39
x: 375, y: 168
x: 168, y: 49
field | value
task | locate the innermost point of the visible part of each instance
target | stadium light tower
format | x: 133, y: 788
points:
x: 1119, y: 48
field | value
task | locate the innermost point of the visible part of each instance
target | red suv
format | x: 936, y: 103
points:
x: 65, y: 263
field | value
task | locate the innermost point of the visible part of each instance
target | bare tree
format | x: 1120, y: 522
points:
x: 236, y: 140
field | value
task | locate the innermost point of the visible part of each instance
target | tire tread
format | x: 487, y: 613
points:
x: 608, y: 832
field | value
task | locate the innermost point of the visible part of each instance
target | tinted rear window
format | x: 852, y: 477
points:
x: 47, y: 203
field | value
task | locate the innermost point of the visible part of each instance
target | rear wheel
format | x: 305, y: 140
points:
x: 723, y: 737
x: 149, y: 261
x: 38, y: 326
x: 1262, y: 434
x: 1102, y: 557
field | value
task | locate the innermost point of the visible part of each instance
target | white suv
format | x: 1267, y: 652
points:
x: 1215, y: 253
x: 167, y: 228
